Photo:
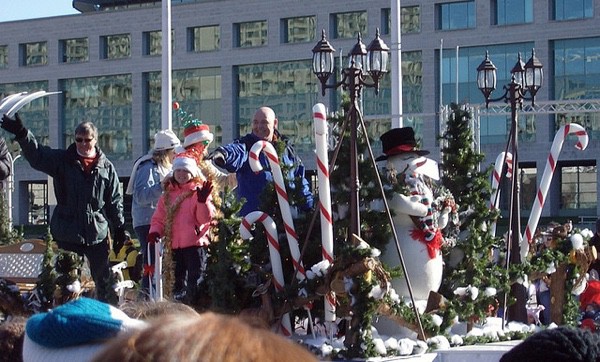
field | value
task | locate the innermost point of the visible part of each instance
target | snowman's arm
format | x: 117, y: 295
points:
x: 444, y: 217
x: 410, y: 205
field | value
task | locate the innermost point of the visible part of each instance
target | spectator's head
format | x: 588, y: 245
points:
x: 185, y: 168
x: 196, y: 133
x: 557, y: 344
x: 74, y: 331
x: 146, y: 310
x: 264, y: 123
x: 12, y: 333
x: 165, y: 142
x: 598, y: 226
x: 206, y: 337
x: 86, y: 137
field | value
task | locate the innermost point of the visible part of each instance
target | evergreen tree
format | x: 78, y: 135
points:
x: 228, y: 269
x: 374, y: 225
x: 474, y: 281
x: 5, y: 232
x: 237, y: 267
x: 46, y: 283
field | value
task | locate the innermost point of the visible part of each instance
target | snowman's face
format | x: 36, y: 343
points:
x: 398, y: 164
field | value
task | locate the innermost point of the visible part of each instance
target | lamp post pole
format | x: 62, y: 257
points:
x: 517, y: 311
x: 354, y: 177
x: 525, y: 81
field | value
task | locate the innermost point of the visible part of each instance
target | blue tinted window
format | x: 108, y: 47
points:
x: 514, y: 12
x: 198, y: 92
x: 460, y: 15
x: 35, y: 113
x: 290, y: 88
x: 577, y: 68
x: 494, y: 128
x: 106, y: 101
x: 577, y: 76
x: 573, y: 9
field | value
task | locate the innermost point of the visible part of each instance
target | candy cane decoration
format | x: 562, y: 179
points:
x: 321, y: 131
x: 559, y: 138
x: 158, y: 254
x: 275, y: 256
x: 496, y: 176
x: 284, y: 203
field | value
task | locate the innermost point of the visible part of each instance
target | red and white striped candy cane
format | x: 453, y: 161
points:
x: 275, y: 256
x: 321, y: 131
x: 559, y: 138
x: 496, y: 176
x: 282, y: 196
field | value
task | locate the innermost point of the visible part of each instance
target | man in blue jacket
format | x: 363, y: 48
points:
x: 234, y: 158
x: 88, y: 199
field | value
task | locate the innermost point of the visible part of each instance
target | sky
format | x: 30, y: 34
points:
x: 31, y: 9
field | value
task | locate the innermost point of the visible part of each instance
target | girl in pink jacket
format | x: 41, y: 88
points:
x: 183, y: 218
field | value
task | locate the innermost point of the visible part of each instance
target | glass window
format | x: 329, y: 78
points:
x: 578, y: 187
x: 205, y: 38
x: 38, y: 210
x: 528, y: 188
x: 528, y: 182
x: 198, y: 91
x: 35, y: 113
x: 410, y: 20
x: 577, y: 68
x: 117, y: 46
x: 347, y: 25
x: 514, y: 12
x: 300, y: 29
x: 458, y: 15
x: 35, y: 53
x: 577, y: 76
x: 75, y: 50
x: 290, y: 88
x: 153, y: 42
x: 3, y: 56
x: 494, y: 128
x: 412, y: 89
x: 573, y: 9
x: 104, y: 100
x: 251, y: 34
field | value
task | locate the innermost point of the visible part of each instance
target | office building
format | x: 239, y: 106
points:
x: 229, y: 57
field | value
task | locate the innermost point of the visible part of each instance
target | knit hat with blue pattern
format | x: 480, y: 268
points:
x: 79, y: 327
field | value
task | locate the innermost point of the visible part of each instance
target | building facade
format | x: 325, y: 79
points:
x: 230, y: 57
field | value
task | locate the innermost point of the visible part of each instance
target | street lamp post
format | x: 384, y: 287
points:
x: 526, y: 80
x: 371, y: 60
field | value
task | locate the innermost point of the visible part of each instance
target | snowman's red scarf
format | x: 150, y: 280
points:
x: 434, y: 245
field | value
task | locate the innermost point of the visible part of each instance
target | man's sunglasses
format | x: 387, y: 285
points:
x: 79, y: 140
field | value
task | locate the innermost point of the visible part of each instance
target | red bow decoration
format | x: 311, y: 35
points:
x: 148, y: 270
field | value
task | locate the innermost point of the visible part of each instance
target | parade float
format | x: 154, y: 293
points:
x: 326, y: 278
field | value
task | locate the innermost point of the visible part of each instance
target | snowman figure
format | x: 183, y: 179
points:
x: 418, y: 218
